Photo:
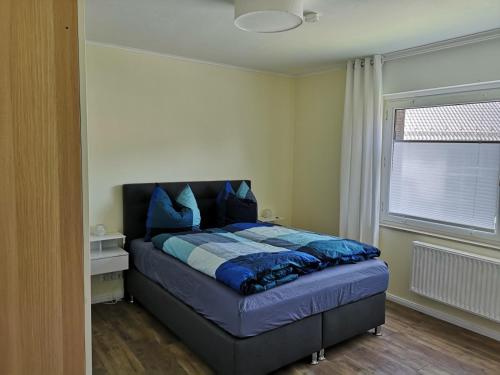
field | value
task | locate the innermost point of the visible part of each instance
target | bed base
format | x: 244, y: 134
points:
x: 350, y: 320
x: 263, y: 353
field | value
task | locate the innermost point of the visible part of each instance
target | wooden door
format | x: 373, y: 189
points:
x: 41, y: 269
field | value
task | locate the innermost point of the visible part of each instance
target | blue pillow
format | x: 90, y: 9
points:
x: 187, y: 200
x: 236, y: 207
x: 162, y: 216
x: 240, y: 210
x: 220, y: 203
x: 224, y: 193
x: 244, y: 192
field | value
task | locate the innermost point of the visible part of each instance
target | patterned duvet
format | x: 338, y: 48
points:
x: 242, y: 264
x: 330, y: 250
x: 253, y: 257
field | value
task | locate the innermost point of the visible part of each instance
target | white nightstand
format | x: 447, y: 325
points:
x: 272, y: 219
x: 107, y: 261
x: 107, y: 254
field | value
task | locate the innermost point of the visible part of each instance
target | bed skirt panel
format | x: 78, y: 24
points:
x: 353, y: 319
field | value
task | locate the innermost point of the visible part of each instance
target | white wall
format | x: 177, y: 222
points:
x: 153, y: 119
x: 478, y: 62
x: 319, y: 110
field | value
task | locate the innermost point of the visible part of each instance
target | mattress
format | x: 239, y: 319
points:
x: 246, y: 316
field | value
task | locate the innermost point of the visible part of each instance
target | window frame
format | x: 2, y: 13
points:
x: 407, y: 101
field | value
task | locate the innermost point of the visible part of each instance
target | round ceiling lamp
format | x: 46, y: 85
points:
x: 268, y: 16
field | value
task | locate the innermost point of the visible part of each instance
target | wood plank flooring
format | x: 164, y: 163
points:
x: 128, y: 340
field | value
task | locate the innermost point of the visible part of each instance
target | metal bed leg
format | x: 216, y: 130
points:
x: 131, y: 299
x: 314, y: 358
x: 377, y: 331
x: 321, y: 356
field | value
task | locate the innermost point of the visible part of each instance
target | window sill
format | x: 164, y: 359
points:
x: 441, y: 236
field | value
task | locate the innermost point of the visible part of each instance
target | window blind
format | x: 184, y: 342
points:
x: 446, y: 165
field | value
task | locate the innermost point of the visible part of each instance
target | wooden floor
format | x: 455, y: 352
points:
x: 127, y: 340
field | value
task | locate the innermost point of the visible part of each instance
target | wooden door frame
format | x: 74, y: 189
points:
x: 85, y: 187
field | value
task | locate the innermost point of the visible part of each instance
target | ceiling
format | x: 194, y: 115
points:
x: 204, y: 30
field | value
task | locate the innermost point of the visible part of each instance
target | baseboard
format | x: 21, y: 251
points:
x: 445, y: 317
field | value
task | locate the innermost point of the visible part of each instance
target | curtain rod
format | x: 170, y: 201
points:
x: 363, y: 62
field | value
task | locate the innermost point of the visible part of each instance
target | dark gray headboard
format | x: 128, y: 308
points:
x: 136, y: 202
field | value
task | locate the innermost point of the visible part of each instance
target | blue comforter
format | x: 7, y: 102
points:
x: 253, y: 257
x: 242, y: 264
x: 330, y: 250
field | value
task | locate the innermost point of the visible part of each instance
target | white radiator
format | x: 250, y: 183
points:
x: 466, y: 281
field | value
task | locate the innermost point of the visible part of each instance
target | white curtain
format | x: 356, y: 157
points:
x: 361, y: 151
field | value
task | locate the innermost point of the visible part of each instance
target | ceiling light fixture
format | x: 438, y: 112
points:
x: 268, y: 16
x: 311, y: 17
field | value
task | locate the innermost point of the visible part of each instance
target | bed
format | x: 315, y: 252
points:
x: 253, y: 334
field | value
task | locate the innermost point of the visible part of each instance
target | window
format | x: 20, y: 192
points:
x: 442, y: 165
